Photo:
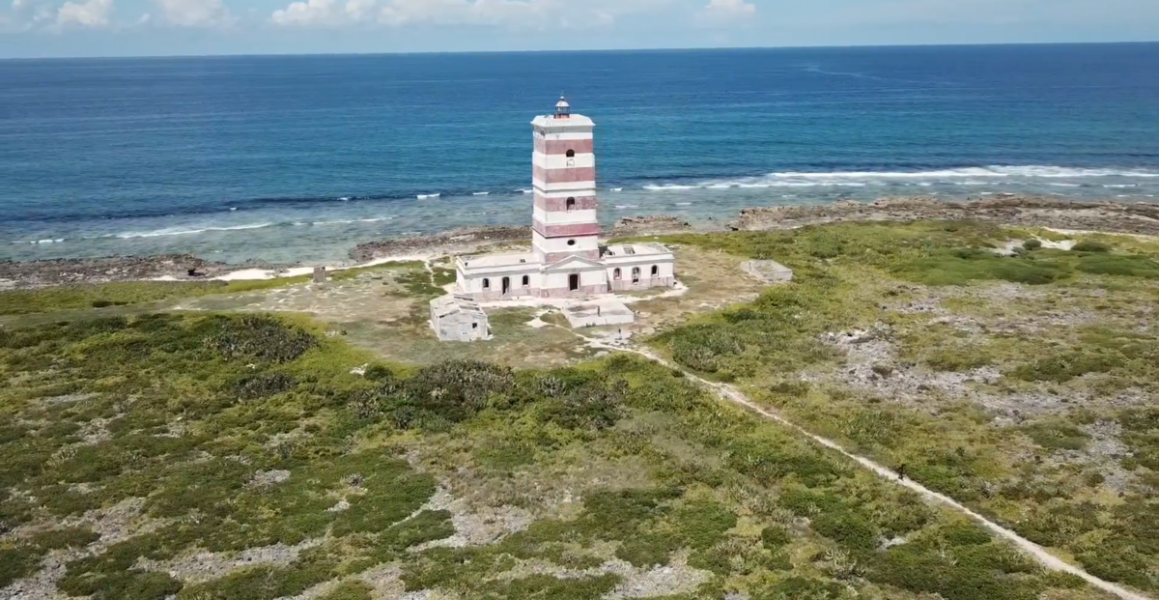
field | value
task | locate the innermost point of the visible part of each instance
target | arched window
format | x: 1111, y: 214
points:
x: 655, y: 270
x: 616, y: 274
x: 570, y: 204
x: 571, y: 153
x: 486, y: 283
x: 635, y: 274
x: 526, y: 281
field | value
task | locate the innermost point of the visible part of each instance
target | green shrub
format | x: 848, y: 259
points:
x: 71, y: 537
x: 18, y: 562
x: 1032, y: 244
x: 775, y: 537
x: 264, y: 385
x: 349, y: 590
x: 1057, y: 436
x: 850, y: 530
x: 1090, y: 246
x: 966, y: 534
x: 1066, y: 366
x: 1117, y: 264
x: 801, y: 588
x: 101, y: 303
x: 261, y: 338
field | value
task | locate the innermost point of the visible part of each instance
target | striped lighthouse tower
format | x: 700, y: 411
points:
x: 564, y: 178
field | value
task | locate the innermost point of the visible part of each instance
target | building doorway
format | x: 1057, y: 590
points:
x: 573, y: 282
x: 506, y: 285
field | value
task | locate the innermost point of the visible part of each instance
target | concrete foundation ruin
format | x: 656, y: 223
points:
x: 459, y: 319
x: 598, y: 312
x: 768, y: 271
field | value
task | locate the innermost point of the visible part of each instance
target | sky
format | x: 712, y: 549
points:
x: 81, y: 28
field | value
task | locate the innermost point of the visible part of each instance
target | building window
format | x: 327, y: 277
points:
x: 486, y: 283
x: 474, y: 325
x: 616, y: 274
x: 635, y: 274
x: 526, y: 281
x: 655, y: 270
x: 570, y: 204
x: 571, y: 153
x: 571, y: 242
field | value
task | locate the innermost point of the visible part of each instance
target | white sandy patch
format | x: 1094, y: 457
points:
x: 259, y: 274
x: 677, y: 291
x: 247, y: 275
x: 1063, y: 245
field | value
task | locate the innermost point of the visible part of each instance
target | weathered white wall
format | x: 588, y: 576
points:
x: 560, y: 161
x: 583, y: 243
x: 588, y: 277
x: 563, y: 217
x: 558, y: 132
x: 473, y: 283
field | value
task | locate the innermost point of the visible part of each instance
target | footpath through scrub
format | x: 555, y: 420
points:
x: 735, y: 396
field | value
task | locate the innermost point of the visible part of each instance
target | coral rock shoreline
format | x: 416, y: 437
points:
x: 1111, y: 217
x: 1028, y: 211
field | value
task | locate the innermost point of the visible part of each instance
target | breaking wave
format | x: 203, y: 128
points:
x: 175, y: 231
x: 427, y: 196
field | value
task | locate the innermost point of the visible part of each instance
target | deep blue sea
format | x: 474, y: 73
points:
x: 298, y: 158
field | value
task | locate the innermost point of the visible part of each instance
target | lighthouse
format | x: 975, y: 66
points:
x: 566, y: 258
x: 563, y: 175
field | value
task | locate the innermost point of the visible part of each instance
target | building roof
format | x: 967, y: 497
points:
x: 453, y: 305
x: 635, y: 250
x: 498, y: 260
x: 573, y: 120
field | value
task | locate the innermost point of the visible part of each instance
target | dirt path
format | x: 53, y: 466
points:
x: 734, y: 395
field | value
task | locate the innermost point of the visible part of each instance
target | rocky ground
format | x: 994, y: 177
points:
x: 63, y: 271
x: 1116, y: 217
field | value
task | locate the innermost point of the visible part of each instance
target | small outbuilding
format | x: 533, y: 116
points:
x: 768, y: 271
x: 459, y: 319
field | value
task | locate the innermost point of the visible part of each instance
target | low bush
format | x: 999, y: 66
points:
x: 264, y: 385
x: 1090, y: 246
x: 1057, y: 436
x: 349, y: 590
x: 801, y: 588
x: 18, y: 562
x: 261, y: 338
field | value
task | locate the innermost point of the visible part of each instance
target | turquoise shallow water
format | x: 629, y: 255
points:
x: 300, y: 158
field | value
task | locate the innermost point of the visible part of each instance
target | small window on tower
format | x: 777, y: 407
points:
x: 526, y: 281
x: 571, y: 242
x: 570, y: 204
x: 571, y: 153
x: 486, y: 284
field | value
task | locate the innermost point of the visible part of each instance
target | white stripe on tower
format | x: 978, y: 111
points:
x: 563, y: 173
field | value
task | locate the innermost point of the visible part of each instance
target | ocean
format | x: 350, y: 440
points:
x: 299, y: 158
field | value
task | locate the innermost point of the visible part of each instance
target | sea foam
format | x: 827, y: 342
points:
x: 175, y: 231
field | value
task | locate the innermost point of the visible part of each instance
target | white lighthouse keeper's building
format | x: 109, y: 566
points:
x: 566, y: 258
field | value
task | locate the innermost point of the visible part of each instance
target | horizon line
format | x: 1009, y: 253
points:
x: 580, y: 51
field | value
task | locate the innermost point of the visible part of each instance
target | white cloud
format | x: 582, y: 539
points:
x: 19, y: 5
x: 94, y: 13
x: 727, y: 11
x: 537, y: 14
x: 196, y: 13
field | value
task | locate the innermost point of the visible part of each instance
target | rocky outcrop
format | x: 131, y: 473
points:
x: 39, y: 273
x: 651, y: 225
x: 1009, y: 209
x: 456, y: 241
